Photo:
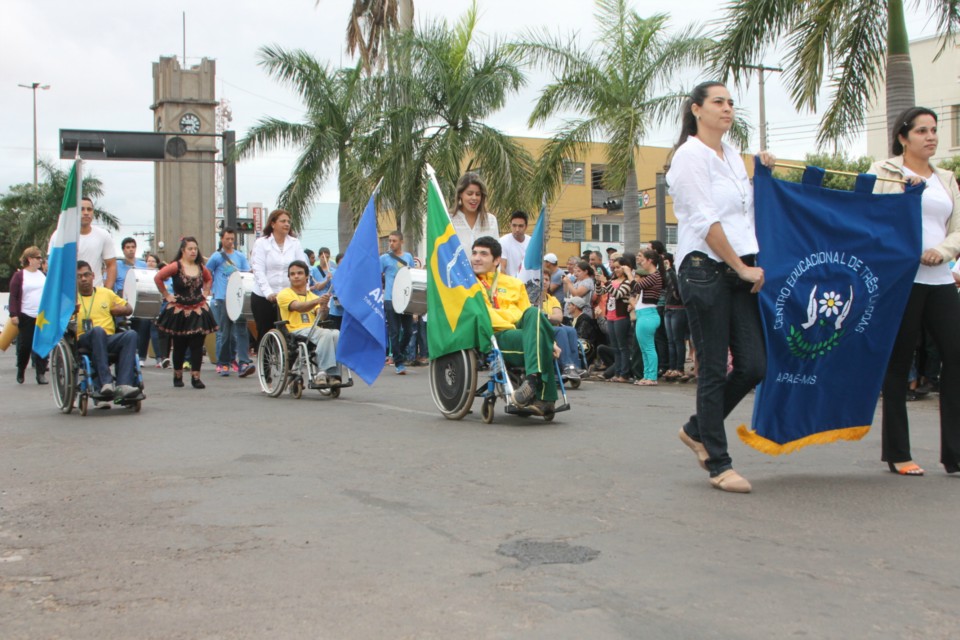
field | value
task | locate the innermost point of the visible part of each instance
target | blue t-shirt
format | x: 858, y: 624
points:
x: 389, y: 265
x: 336, y: 309
x: 220, y: 267
x: 316, y: 278
x: 122, y: 268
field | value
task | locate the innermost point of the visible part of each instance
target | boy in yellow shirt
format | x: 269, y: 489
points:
x: 299, y: 307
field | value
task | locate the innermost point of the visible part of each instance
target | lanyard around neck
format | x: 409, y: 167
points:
x: 88, y: 309
x: 492, y: 290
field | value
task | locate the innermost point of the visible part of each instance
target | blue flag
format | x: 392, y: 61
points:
x: 59, y: 297
x: 533, y: 259
x: 838, y: 268
x: 357, y: 283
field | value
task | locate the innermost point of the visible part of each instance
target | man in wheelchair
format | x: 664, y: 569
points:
x: 299, y: 307
x: 97, y: 308
x: 524, y: 334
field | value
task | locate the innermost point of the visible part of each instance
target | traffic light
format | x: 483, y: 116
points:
x: 612, y: 204
x: 245, y: 225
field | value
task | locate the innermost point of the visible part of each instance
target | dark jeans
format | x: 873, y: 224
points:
x: 142, y: 328
x: 399, y: 332
x: 676, y: 325
x: 265, y: 313
x: 160, y: 342
x: 620, y: 339
x: 100, y: 346
x: 25, y: 346
x: 420, y: 342
x: 233, y: 340
x: 936, y: 307
x: 723, y: 315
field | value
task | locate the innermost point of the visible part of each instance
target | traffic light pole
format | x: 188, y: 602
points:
x: 230, y: 180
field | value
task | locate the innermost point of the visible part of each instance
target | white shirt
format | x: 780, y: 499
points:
x: 486, y: 225
x: 96, y: 248
x: 936, y: 207
x: 708, y: 189
x: 513, y: 253
x: 32, y: 290
x: 269, y: 264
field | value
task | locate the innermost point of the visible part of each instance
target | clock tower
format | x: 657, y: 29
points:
x: 184, y: 103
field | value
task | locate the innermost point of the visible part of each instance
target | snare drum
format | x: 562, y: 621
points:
x: 410, y: 291
x: 237, y: 300
x: 140, y: 292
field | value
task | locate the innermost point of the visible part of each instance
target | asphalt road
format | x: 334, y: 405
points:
x: 226, y: 514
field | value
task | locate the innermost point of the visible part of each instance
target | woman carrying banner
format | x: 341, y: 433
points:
x: 272, y: 254
x: 933, y: 301
x: 471, y: 220
x: 719, y: 279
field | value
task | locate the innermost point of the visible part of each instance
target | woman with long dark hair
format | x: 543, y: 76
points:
x: 26, y: 287
x: 647, y: 289
x: 272, y: 254
x: 933, y: 301
x: 617, y: 313
x: 469, y: 217
x: 186, y: 318
x: 719, y: 279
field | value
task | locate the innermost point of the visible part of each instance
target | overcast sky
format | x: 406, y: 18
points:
x: 96, y: 56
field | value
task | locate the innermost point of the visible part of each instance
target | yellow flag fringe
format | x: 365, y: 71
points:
x: 771, y: 448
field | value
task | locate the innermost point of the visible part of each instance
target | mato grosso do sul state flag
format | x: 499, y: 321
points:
x: 59, y: 297
x: 455, y: 305
x: 838, y: 267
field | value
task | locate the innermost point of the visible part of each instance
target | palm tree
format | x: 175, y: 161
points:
x: 29, y: 215
x: 614, y: 85
x: 435, y: 112
x: 371, y: 24
x: 850, y: 43
x: 338, y: 114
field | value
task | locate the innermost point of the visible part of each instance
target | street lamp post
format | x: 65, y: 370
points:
x: 33, y: 86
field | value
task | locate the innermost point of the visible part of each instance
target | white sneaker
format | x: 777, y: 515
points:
x: 320, y: 378
x: 107, y: 389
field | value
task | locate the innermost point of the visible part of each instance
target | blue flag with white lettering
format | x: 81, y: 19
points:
x: 838, y: 268
x: 359, y: 288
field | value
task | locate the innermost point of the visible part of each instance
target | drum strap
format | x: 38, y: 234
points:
x: 227, y: 258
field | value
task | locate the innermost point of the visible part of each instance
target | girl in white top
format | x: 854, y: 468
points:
x: 719, y: 279
x: 26, y: 289
x: 272, y: 254
x: 471, y: 220
x: 933, y: 301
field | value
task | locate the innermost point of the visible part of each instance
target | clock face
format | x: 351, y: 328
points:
x: 190, y: 123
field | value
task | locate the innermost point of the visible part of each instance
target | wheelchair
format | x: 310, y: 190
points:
x: 72, y: 379
x: 454, y: 379
x: 285, y: 360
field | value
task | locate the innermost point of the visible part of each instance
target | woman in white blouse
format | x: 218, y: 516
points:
x: 933, y: 301
x: 719, y: 279
x: 272, y: 254
x: 26, y: 287
x: 471, y: 220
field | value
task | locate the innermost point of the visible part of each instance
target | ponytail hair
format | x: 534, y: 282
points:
x: 688, y: 121
x: 656, y: 259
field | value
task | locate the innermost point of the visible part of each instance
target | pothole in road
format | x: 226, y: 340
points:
x: 536, y: 552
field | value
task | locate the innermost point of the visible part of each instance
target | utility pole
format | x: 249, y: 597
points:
x: 33, y: 86
x: 763, y: 103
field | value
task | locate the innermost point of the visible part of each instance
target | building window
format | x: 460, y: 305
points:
x: 606, y: 232
x: 573, y: 172
x: 671, y: 234
x: 574, y: 230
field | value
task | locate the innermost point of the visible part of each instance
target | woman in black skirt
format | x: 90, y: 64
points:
x: 186, y: 318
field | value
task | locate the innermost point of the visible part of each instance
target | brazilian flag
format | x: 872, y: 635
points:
x: 457, y: 312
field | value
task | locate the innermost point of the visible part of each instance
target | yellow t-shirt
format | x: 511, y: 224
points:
x: 510, y: 297
x: 296, y: 319
x: 550, y: 304
x: 96, y: 308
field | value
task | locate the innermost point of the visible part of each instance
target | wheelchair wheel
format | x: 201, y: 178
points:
x: 296, y: 389
x: 136, y: 406
x: 335, y: 392
x: 273, y: 363
x: 486, y: 410
x: 84, y: 404
x: 453, y: 383
x: 574, y: 384
x: 64, y: 376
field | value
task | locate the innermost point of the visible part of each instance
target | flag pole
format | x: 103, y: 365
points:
x: 543, y: 244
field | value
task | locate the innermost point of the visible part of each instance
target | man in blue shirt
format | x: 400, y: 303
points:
x: 140, y: 325
x: 399, y: 325
x: 232, y: 337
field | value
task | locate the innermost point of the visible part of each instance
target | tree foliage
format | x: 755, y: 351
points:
x: 29, y: 215
x: 952, y: 164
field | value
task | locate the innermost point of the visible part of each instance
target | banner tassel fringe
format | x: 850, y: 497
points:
x: 771, y: 448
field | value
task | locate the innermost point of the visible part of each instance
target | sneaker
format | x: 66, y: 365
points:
x: 166, y: 363
x: 159, y: 364
x: 143, y: 363
x: 524, y: 394
x: 540, y: 407
x: 128, y: 391
x: 320, y: 378
x: 235, y: 366
x: 42, y: 378
x: 246, y: 369
x: 570, y: 373
x: 186, y: 365
x: 107, y: 389
x: 223, y: 370
x: 401, y: 370
x: 389, y: 361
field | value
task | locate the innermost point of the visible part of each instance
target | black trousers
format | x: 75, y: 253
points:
x: 265, y: 313
x: 25, y: 346
x: 936, y: 307
x: 194, y: 342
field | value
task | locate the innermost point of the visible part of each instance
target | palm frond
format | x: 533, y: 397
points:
x: 948, y: 22
x: 746, y: 29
